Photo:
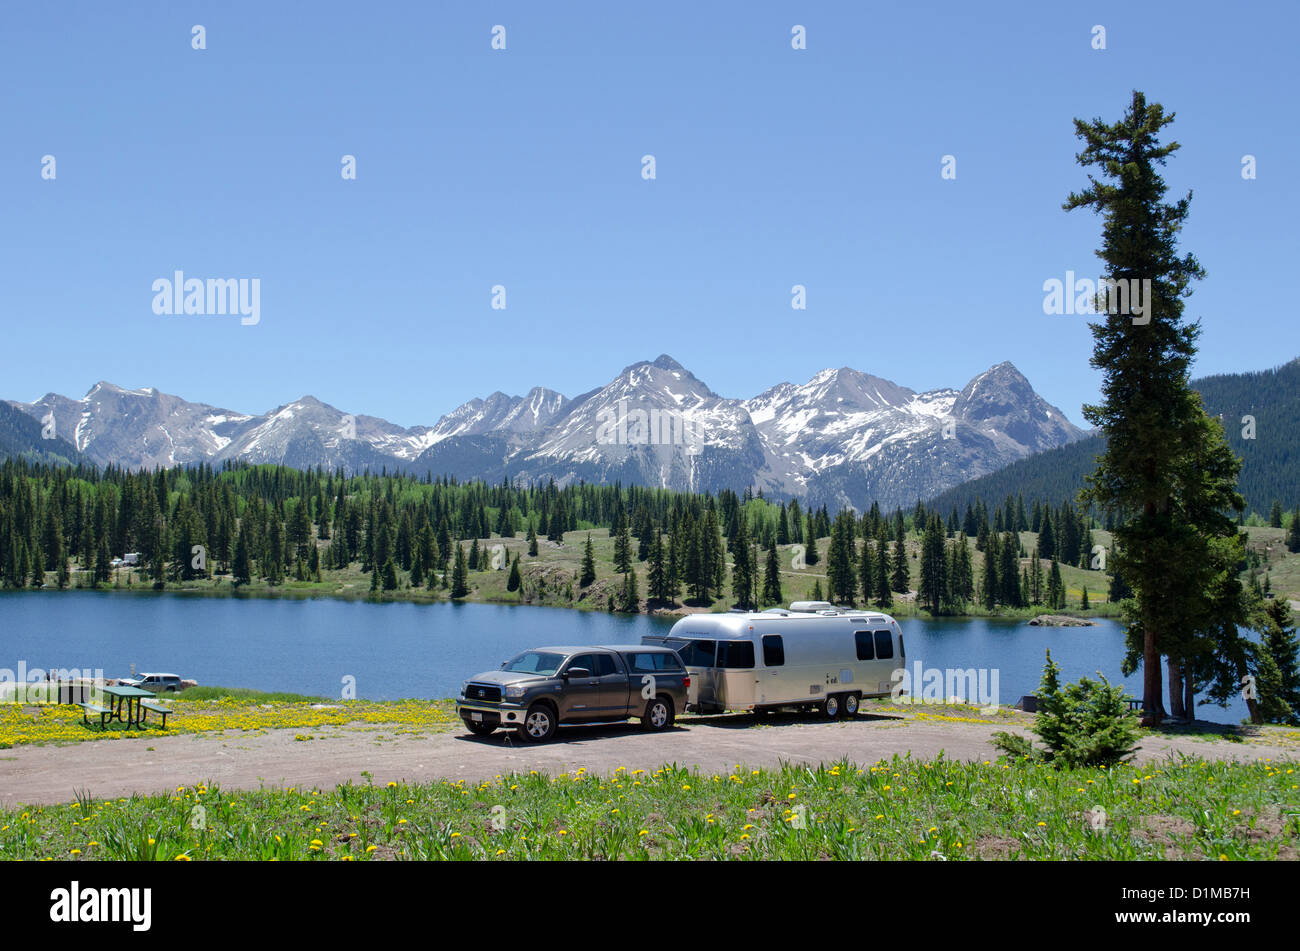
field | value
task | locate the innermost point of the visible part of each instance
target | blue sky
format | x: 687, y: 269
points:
x: 522, y: 168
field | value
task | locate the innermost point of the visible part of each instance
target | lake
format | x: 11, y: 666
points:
x: 395, y: 650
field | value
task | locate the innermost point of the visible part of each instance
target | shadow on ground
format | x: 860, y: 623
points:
x: 726, y: 721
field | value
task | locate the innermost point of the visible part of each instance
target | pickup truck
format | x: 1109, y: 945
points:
x: 539, y: 689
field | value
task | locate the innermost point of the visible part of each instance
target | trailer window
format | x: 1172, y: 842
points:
x: 865, y: 649
x: 884, y: 645
x: 736, y: 655
x: 694, y: 653
x: 773, y: 650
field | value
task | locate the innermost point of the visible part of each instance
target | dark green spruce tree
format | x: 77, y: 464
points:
x: 1167, y: 473
x: 588, y: 565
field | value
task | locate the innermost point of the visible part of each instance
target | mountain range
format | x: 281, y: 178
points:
x: 843, y: 437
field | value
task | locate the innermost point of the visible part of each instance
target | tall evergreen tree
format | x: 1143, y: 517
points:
x: 932, y: 588
x: 1055, y: 587
x: 1277, y: 664
x: 989, y: 587
x: 657, y: 570
x: 460, y: 574
x: 1166, y: 471
x: 622, y: 546
x: 1035, y: 591
x: 867, y: 570
x: 630, y: 596
x: 900, y: 575
x: 884, y: 598
x: 772, y: 576
x: 1009, y: 571
x: 588, y: 565
x: 242, y: 570
x: 743, y: 581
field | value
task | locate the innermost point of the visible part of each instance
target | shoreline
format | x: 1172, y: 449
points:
x: 296, y: 590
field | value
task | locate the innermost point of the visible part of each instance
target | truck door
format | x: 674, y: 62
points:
x: 581, y: 697
x: 614, y: 686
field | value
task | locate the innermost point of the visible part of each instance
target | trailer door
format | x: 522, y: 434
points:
x: 772, y: 684
x: 700, y: 657
x: 735, y: 679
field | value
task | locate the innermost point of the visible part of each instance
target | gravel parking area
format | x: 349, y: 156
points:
x: 278, y: 758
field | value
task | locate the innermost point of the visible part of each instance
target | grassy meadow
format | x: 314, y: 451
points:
x: 898, y: 809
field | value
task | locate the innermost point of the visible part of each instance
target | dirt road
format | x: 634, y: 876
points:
x: 49, y: 774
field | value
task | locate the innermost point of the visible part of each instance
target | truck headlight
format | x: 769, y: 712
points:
x: 514, y: 691
x: 463, y: 687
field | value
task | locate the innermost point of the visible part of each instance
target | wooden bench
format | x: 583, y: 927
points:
x: 1134, y: 705
x: 156, y: 707
x: 104, y: 713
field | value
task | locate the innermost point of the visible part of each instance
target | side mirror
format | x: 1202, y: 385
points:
x: 577, y: 672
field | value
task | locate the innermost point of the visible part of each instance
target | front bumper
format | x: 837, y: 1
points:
x: 494, y: 714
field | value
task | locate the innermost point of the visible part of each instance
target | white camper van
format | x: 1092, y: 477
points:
x: 812, y: 655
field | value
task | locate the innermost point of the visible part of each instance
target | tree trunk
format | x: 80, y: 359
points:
x: 1175, y: 689
x: 1189, y: 697
x: 1152, y: 705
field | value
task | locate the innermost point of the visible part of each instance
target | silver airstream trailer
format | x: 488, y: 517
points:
x: 812, y: 655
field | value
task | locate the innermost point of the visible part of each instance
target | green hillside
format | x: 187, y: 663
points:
x: 20, y: 437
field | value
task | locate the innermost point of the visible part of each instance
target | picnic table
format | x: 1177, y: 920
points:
x: 131, y: 698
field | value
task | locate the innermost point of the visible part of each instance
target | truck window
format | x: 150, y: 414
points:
x: 884, y: 645
x: 773, y: 650
x: 589, y: 661
x: 736, y: 655
x: 865, y: 649
x: 605, y: 665
x: 653, y: 662
x: 666, y: 661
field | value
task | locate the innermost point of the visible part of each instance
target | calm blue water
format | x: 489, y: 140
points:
x: 427, y: 650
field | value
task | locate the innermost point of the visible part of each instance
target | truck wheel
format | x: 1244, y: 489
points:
x: 851, y: 705
x: 658, y: 714
x: 539, y: 724
x: 479, y: 729
x: 832, y: 706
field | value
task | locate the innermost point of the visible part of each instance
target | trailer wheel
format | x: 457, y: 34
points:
x: 832, y: 706
x: 658, y: 714
x: 851, y: 705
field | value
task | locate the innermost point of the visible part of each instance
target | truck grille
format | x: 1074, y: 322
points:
x: 489, y: 693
